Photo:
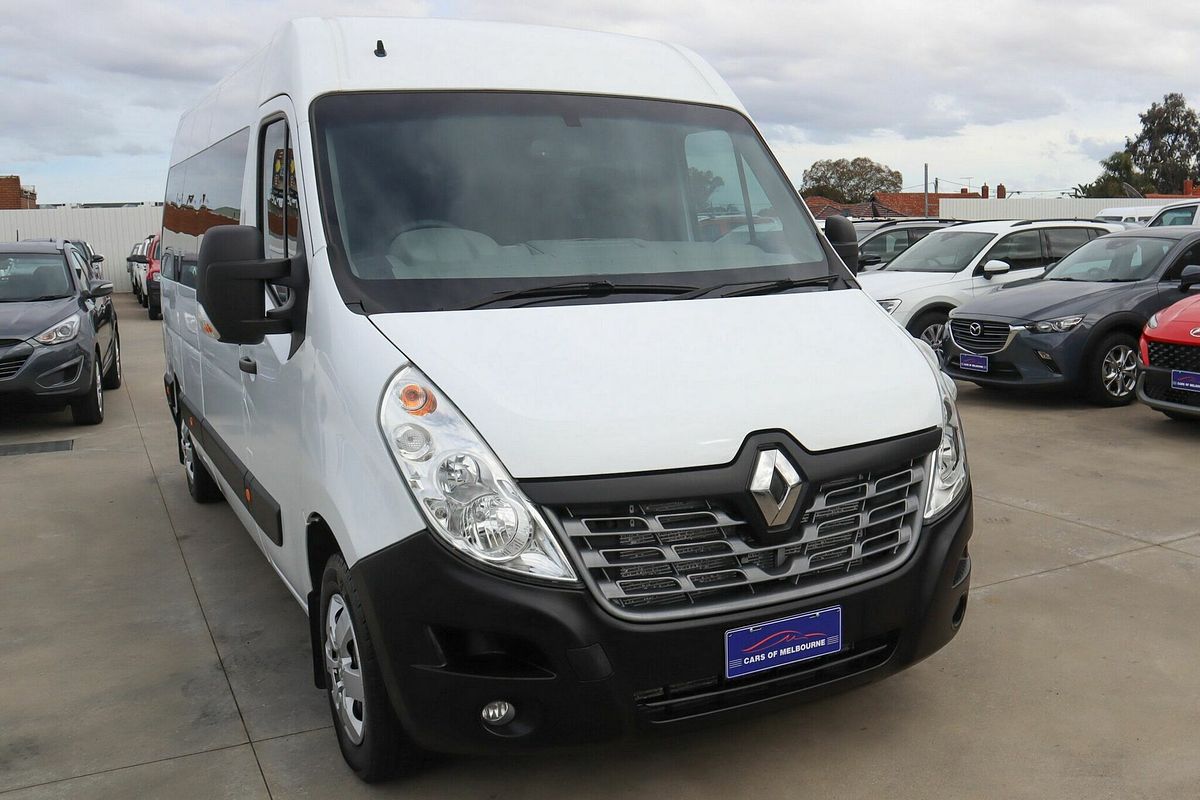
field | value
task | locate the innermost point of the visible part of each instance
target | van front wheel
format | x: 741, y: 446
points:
x: 368, y: 732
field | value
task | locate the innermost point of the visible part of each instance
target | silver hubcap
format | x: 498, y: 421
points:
x: 934, y: 334
x: 1119, y: 371
x: 344, y: 668
x: 99, y: 388
x: 189, y: 456
x: 117, y: 355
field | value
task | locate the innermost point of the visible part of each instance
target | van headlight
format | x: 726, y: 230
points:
x: 465, y: 493
x: 948, y: 477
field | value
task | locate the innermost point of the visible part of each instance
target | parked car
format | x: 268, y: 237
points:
x: 131, y: 266
x: 90, y: 256
x: 878, y: 247
x: 141, y: 264
x: 1169, y: 374
x: 153, y: 286
x: 1181, y: 213
x: 956, y: 264
x: 59, y: 342
x: 1078, y: 327
x: 1129, y: 216
x: 418, y: 427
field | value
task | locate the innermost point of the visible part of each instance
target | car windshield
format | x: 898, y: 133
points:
x: 941, y: 251
x: 443, y: 200
x: 33, y: 276
x: 1113, y: 258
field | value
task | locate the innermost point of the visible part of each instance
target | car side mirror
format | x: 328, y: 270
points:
x: 995, y: 267
x: 231, y: 285
x: 97, y: 258
x: 1189, y: 277
x: 844, y: 239
x: 138, y: 258
x: 100, y: 288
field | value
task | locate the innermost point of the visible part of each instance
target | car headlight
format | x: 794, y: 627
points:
x: 948, y: 476
x: 1152, y: 322
x: 889, y: 305
x: 61, y: 332
x: 465, y: 493
x: 1054, y: 325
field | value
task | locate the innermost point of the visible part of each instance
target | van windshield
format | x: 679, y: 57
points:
x: 444, y: 200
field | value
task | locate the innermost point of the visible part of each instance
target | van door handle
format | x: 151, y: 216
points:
x: 248, y: 365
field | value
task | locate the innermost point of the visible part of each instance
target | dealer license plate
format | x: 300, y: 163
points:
x: 1187, y: 381
x: 769, y: 645
x: 973, y: 363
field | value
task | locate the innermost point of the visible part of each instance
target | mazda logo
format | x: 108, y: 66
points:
x: 975, y: 329
x: 1195, y: 332
x: 776, y: 486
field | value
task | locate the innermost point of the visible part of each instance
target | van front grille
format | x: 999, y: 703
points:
x: 659, y: 560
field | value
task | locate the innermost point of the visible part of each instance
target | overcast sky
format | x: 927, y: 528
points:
x: 1026, y: 93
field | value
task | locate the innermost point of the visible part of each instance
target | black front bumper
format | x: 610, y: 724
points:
x: 32, y: 372
x: 1154, y: 389
x: 451, y: 637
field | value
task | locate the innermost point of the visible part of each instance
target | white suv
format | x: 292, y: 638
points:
x: 956, y: 264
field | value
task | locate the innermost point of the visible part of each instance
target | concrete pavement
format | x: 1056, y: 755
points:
x: 150, y: 651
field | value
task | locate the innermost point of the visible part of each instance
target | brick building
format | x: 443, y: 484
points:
x: 13, y: 195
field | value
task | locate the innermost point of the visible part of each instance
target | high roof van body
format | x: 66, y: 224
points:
x: 526, y: 367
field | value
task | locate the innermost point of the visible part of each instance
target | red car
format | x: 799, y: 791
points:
x: 1169, y: 378
x: 153, y: 274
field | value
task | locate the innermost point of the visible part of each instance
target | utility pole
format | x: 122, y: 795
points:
x: 927, y: 188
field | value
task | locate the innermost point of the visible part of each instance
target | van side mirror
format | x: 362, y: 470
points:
x: 841, y: 234
x: 995, y: 267
x: 231, y: 285
x: 99, y: 288
x: 1189, y: 277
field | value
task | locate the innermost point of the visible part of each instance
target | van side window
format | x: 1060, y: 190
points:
x: 725, y: 198
x: 1020, y: 251
x: 202, y: 192
x: 279, y: 202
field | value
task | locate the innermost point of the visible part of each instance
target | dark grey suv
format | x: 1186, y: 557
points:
x: 1078, y: 326
x: 59, y: 342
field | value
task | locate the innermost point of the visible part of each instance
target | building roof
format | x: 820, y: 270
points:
x: 912, y: 204
x: 311, y: 57
x: 823, y: 208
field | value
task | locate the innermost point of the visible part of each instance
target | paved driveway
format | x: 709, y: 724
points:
x: 149, y: 651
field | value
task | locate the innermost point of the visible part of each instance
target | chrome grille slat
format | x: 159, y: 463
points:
x: 12, y: 366
x: 648, y: 563
x: 992, y: 337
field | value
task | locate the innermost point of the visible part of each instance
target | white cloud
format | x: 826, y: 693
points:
x: 1026, y: 92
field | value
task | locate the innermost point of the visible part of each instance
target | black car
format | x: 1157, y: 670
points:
x: 59, y: 342
x: 1077, y: 327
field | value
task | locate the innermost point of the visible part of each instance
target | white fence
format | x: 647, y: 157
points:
x: 112, y: 232
x: 1036, y: 208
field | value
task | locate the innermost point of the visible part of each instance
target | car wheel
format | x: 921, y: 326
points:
x: 368, y: 732
x: 88, y: 408
x: 112, y: 375
x: 155, y: 310
x: 200, y: 483
x: 1110, y: 373
x: 930, y: 327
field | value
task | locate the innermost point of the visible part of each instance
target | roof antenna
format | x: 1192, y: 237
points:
x: 379, y: 51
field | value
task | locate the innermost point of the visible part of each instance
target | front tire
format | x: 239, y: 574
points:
x: 930, y: 327
x: 1110, y: 371
x: 88, y: 409
x: 200, y: 483
x: 112, y: 375
x: 369, y: 735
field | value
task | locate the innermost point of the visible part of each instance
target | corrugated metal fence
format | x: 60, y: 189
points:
x: 112, y: 232
x: 1036, y: 208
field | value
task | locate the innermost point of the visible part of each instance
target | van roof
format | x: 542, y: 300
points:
x: 314, y: 56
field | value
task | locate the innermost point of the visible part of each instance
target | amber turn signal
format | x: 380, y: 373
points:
x: 417, y: 400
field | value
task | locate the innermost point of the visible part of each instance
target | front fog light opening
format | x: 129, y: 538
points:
x: 498, y: 713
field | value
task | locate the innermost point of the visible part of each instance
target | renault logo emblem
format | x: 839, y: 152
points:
x: 1195, y: 332
x: 776, y: 486
x: 976, y: 329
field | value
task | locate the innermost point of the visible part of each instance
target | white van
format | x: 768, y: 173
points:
x: 454, y: 323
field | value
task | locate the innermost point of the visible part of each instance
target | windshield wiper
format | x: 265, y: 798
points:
x: 582, y: 289
x: 762, y: 287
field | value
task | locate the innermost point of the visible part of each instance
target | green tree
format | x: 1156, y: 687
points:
x: 1119, y: 172
x: 831, y: 192
x: 1168, y: 145
x: 701, y: 185
x: 854, y: 179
